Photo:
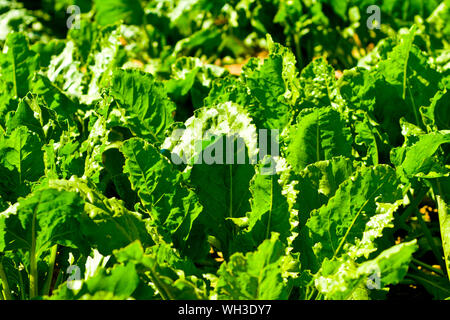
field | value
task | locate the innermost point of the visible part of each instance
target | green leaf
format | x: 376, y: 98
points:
x: 436, y: 116
x: 172, y: 276
x: 274, y: 84
x: 63, y: 159
x: 368, y: 135
x: 319, y: 134
x: 130, y: 11
x: 318, y: 182
x: 160, y: 189
x: 355, y: 206
x: 255, y: 276
x: 45, y: 218
x: 444, y: 223
x: 121, y: 281
x: 21, y: 162
x: 318, y: 84
x: 408, y: 71
x: 314, y: 187
x: 232, y: 89
x: 108, y: 225
x: 392, y: 263
x: 224, y: 193
x: 145, y: 101
x: 18, y: 65
x: 269, y: 210
x: 339, y: 279
x: 54, y: 98
x: 25, y: 116
x: 418, y: 159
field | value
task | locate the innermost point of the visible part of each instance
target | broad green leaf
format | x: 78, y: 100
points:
x: 108, y: 225
x: 255, y: 276
x: 318, y: 182
x: 339, y: 279
x: 160, y: 189
x: 33, y: 113
x: 223, y: 191
x: 392, y: 263
x: 318, y: 84
x: 314, y: 187
x: 395, y: 87
x: 25, y: 116
x: 172, y: 276
x: 269, y: 211
x: 406, y: 68
x: 436, y: 116
x: 145, y: 101
x: 130, y: 11
x: 18, y: 65
x: 45, y: 218
x: 275, y: 86
x: 231, y: 89
x: 319, y: 134
x: 444, y: 222
x: 54, y: 98
x: 21, y: 162
x: 120, y: 281
x: 356, y: 205
x: 419, y: 160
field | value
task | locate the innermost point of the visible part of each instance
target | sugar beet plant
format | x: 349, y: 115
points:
x: 246, y: 149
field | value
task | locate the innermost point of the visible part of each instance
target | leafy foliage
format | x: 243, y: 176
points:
x: 246, y: 149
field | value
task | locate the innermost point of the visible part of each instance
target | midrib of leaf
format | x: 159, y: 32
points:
x: 270, y: 210
x: 230, y: 209
x: 20, y: 160
x: 5, y: 284
x: 328, y: 90
x: 317, y: 138
x: 355, y: 218
x: 416, y: 116
x: 405, y: 68
x: 443, y: 217
x: 162, y: 288
x: 14, y: 71
x: 33, y: 262
x: 259, y: 282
